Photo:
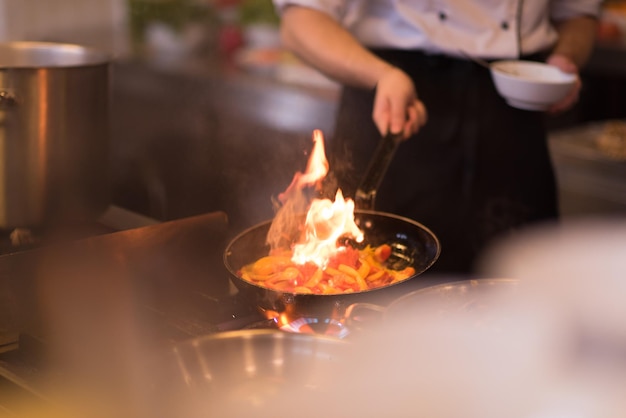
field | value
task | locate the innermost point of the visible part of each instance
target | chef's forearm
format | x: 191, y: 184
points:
x: 576, y: 39
x: 321, y: 42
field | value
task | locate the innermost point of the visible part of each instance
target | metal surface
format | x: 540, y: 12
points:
x: 54, y: 133
x: 365, y: 197
x: 463, y: 296
x: 459, y: 297
x: 250, y: 371
x: 157, y: 284
x: 411, y: 241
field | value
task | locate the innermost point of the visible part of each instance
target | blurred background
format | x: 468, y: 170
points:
x: 201, y: 88
x: 208, y: 114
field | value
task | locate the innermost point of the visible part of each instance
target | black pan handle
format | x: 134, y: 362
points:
x: 365, y: 197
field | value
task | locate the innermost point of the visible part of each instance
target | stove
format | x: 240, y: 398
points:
x: 164, y: 281
x: 131, y: 281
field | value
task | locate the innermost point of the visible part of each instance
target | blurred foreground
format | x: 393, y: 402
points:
x: 553, y: 347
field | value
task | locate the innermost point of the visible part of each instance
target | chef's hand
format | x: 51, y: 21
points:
x: 566, y: 65
x: 396, y: 106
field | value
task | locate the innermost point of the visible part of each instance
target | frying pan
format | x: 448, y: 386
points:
x: 412, y: 244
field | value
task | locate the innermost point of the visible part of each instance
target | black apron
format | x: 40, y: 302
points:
x: 478, y: 170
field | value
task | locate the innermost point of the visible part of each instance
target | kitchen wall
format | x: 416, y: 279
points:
x: 64, y: 20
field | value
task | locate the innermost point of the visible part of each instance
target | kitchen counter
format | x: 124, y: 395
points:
x: 590, y: 177
x: 103, y: 305
x: 291, y: 107
x: 198, y: 135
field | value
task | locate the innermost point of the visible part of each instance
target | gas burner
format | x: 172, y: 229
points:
x: 312, y: 325
x: 298, y: 324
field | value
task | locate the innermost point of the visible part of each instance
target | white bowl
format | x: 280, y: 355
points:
x: 531, y: 85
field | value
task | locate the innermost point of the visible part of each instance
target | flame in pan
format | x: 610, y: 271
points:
x: 326, y: 221
x: 315, y: 240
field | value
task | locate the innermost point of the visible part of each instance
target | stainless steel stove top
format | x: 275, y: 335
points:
x: 166, y: 279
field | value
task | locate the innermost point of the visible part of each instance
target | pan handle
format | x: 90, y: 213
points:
x: 353, y: 321
x: 365, y: 196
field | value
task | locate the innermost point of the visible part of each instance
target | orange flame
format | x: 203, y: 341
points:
x: 325, y: 222
x: 316, y: 169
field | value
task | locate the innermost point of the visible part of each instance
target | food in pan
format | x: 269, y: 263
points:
x: 324, y: 252
x: 349, y: 270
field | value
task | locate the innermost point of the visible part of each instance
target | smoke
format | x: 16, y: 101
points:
x: 294, y: 202
x: 286, y: 227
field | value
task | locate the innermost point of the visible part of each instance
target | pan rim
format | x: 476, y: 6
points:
x: 417, y: 224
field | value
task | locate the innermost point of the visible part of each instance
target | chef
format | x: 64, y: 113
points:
x: 473, y: 169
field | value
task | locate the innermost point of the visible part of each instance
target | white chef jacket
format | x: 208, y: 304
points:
x: 484, y: 28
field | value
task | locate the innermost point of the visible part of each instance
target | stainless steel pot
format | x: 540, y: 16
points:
x: 54, y: 133
x: 258, y: 373
x: 462, y: 297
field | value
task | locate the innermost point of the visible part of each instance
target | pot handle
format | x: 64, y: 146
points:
x: 8, y: 100
x: 365, y: 196
x: 352, y: 319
